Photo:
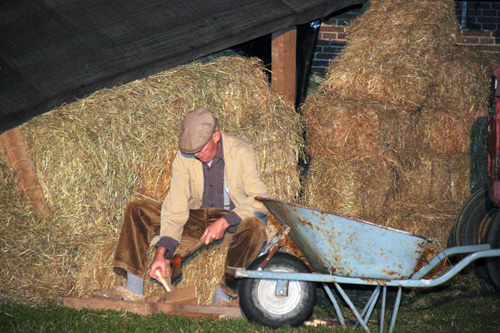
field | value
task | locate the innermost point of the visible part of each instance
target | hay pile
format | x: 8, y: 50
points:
x: 95, y: 155
x: 389, y: 131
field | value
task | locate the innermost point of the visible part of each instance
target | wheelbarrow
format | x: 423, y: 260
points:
x: 279, y: 289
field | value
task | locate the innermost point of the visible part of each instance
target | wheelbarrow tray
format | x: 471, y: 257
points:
x: 346, y: 247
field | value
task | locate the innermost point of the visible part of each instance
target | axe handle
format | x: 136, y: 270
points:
x: 166, y: 284
x: 176, y: 260
x: 192, y: 250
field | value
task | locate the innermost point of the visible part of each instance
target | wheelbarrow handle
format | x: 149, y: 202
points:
x: 448, y: 253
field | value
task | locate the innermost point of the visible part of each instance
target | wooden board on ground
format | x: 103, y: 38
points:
x: 186, y: 295
x: 148, y: 308
x: 179, y: 302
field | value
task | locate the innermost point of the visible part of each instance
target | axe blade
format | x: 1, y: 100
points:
x: 175, y: 267
x: 176, y: 260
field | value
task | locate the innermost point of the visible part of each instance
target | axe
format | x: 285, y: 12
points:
x: 176, y: 260
x: 166, y: 283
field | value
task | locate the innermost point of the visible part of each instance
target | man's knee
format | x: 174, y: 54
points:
x: 132, y: 206
x: 136, y: 205
x: 255, y: 226
x: 143, y: 207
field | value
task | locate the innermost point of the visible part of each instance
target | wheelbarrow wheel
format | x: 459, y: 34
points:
x: 258, y: 299
x: 493, y: 264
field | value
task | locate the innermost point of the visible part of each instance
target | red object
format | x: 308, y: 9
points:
x: 175, y: 267
x: 494, y: 138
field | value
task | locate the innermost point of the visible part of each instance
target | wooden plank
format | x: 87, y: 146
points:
x: 148, y: 308
x: 284, y: 55
x: 14, y: 147
x: 186, y: 295
x: 197, y: 311
x: 179, y: 302
x: 107, y: 304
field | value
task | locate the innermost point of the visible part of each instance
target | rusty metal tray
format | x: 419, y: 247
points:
x: 337, y: 245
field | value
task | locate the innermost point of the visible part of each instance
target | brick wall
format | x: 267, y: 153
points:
x: 331, y: 39
x: 479, y: 15
x: 483, y: 41
x: 481, y: 31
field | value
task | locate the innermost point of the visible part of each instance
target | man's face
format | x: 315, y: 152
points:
x: 210, y: 150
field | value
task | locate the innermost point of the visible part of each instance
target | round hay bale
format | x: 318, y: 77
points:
x: 96, y: 154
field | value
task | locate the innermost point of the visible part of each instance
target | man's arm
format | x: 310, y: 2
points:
x: 215, y: 231
x: 174, y: 214
x: 245, y: 161
x: 158, y: 262
x: 248, y: 186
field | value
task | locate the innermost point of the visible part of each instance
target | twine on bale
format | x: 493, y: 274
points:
x: 95, y: 155
x: 390, y: 132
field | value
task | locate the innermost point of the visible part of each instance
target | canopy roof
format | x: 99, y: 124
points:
x: 54, y: 51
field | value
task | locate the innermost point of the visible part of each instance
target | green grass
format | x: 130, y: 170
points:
x: 463, y: 305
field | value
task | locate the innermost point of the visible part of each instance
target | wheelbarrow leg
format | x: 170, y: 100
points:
x: 335, y: 304
x: 382, y: 318
x: 352, y: 307
x: 396, y: 308
x: 367, y: 311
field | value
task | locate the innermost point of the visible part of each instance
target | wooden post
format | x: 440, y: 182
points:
x: 15, y: 151
x: 284, y: 54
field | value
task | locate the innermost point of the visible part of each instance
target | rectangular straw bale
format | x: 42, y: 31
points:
x: 352, y: 127
x: 459, y: 98
x: 357, y: 188
x: 341, y: 127
x: 391, y: 50
x: 94, y: 155
x: 431, y: 218
x: 404, y: 96
x: 437, y: 177
x: 450, y: 133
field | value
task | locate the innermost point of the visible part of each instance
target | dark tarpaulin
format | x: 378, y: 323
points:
x: 54, y: 51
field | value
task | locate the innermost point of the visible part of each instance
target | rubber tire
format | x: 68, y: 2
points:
x: 260, y: 307
x: 474, y: 218
x: 472, y: 224
x: 493, y: 264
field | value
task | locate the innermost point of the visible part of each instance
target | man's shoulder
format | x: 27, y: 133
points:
x: 184, y: 159
x: 232, y: 141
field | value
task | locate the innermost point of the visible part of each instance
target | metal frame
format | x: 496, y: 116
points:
x: 416, y: 281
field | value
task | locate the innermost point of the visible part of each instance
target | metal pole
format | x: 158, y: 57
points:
x: 463, y: 19
x: 352, y: 307
x: 335, y: 304
x: 396, y: 308
x: 373, y: 301
x: 382, y: 315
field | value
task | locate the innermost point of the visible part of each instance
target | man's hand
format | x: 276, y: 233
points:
x: 158, y: 262
x: 215, y: 231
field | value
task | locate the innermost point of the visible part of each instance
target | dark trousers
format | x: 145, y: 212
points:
x: 142, y: 222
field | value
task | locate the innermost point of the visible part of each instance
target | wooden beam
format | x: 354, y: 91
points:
x: 106, y: 304
x: 147, y: 308
x: 199, y: 311
x: 283, y: 68
x: 178, y: 302
x: 186, y: 295
x: 15, y: 151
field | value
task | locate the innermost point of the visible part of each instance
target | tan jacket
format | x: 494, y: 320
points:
x: 186, y: 186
